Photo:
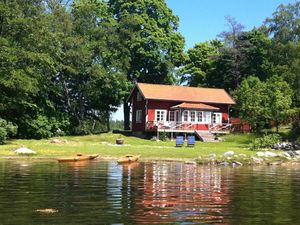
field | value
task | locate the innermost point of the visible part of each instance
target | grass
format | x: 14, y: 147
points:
x: 104, y: 144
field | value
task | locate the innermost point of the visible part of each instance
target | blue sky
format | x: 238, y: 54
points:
x: 203, y: 20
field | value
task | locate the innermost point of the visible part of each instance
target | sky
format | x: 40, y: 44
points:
x: 203, y: 20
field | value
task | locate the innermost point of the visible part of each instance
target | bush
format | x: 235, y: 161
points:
x: 44, y: 127
x: 7, y: 129
x: 265, y: 142
x: 163, y: 136
x: 295, y: 132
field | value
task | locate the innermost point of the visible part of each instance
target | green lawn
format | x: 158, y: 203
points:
x: 104, y: 144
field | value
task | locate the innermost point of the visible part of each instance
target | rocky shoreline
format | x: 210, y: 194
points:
x: 261, y: 158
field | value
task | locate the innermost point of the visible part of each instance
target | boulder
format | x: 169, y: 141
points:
x: 24, y: 151
x: 260, y: 154
x: 212, y: 156
x: 266, y: 154
x: 270, y: 154
x: 229, y: 154
x: 224, y: 163
x: 236, y: 163
x: 257, y: 160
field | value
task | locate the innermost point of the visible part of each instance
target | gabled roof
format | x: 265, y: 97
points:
x: 184, y: 94
x: 185, y: 105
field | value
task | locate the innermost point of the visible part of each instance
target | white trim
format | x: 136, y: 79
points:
x: 164, y: 114
x: 218, y: 118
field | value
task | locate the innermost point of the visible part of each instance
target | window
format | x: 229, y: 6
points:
x: 138, y: 97
x: 217, y: 118
x: 185, y: 116
x: 138, y: 116
x: 207, y: 117
x: 172, y: 116
x: 200, y: 117
x: 160, y: 115
x: 193, y: 116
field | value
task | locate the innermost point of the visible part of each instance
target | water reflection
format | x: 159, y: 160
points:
x: 103, y: 192
x: 182, y: 192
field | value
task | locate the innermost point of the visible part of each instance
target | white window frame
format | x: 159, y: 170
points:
x: 190, y: 117
x: 183, y: 115
x: 206, y: 117
x: 159, y: 111
x: 138, y: 116
x: 202, y: 117
x: 214, y: 119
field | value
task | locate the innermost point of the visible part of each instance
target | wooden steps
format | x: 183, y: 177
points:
x: 205, y: 136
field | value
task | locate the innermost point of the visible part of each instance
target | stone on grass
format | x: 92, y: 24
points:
x: 266, y: 154
x: 224, y: 163
x: 24, y: 151
x: 257, y: 160
x: 236, y: 163
x: 190, y: 162
x: 212, y: 156
x: 229, y: 154
x: 270, y: 154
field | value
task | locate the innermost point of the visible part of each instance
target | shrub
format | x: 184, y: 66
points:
x: 7, y: 129
x: 163, y: 136
x: 265, y: 141
x: 295, y: 132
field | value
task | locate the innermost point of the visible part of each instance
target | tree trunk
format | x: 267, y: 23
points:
x: 126, y: 109
x: 107, y: 121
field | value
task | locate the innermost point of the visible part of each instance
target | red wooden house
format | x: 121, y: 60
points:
x: 179, y: 109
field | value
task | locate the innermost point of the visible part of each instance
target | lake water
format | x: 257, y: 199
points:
x: 102, y: 192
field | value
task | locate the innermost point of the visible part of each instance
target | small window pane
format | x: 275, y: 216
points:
x: 172, y: 116
x: 193, y: 116
x: 185, y: 116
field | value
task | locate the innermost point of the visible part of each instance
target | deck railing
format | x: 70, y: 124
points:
x: 165, y: 125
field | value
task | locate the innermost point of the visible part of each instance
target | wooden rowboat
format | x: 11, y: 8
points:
x: 128, y: 159
x: 78, y: 157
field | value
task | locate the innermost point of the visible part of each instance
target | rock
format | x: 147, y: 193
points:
x: 257, y: 160
x: 212, y: 156
x: 55, y: 141
x: 224, y: 163
x: 229, y: 154
x: 25, y: 151
x: 297, y: 152
x: 236, y: 163
x: 190, y: 162
x: 260, y: 154
x: 270, y: 154
x: 266, y: 154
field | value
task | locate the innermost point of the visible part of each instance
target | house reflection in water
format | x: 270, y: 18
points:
x: 181, y: 192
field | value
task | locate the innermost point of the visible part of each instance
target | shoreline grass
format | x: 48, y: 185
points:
x: 104, y: 145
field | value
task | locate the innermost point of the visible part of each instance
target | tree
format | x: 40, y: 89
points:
x: 284, y: 29
x: 149, y: 32
x: 251, y: 102
x: 7, y: 129
x: 284, y: 26
x: 260, y: 102
x: 27, y: 47
x: 91, y: 77
x: 250, y: 55
x: 198, y: 63
x: 279, y: 101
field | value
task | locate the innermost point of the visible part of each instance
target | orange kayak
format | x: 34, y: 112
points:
x: 128, y: 159
x: 78, y: 157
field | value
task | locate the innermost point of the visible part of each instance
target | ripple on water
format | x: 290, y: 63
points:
x: 103, y: 192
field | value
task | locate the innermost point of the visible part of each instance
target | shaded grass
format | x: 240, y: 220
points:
x: 104, y: 144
